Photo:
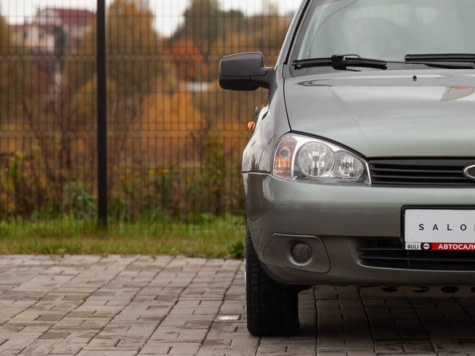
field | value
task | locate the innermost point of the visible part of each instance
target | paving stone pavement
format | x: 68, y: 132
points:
x: 121, y: 306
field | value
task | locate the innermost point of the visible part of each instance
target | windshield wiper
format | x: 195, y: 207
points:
x: 441, y: 57
x: 340, y: 62
x: 443, y: 60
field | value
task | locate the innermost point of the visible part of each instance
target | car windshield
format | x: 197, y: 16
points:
x: 388, y: 29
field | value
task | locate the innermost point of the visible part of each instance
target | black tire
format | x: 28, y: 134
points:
x: 272, y: 309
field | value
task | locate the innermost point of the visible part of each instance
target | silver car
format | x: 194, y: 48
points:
x: 361, y: 169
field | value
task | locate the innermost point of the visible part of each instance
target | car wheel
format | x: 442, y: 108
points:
x: 272, y: 309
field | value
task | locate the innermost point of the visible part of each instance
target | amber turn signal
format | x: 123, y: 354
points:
x: 251, y: 126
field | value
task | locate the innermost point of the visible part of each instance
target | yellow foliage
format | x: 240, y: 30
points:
x: 165, y: 112
x: 84, y: 105
x: 170, y: 130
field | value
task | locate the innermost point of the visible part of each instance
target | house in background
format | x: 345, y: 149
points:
x: 40, y: 43
x: 52, y: 34
x: 67, y: 25
x: 54, y: 30
x: 33, y: 37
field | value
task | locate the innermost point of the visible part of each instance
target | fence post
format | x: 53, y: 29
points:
x: 102, y: 114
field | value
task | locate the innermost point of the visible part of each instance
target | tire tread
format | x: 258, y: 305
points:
x: 272, y: 309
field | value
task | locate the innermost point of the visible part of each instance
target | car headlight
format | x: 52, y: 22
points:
x: 304, y: 158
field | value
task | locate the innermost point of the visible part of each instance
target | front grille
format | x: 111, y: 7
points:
x: 429, y: 172
x: 390, y: 253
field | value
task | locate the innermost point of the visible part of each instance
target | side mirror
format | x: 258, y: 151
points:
x: 245, y: 71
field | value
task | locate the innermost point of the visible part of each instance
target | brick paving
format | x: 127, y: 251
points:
x: 121, y: 306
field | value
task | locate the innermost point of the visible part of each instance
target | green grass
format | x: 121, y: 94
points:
x: 210, y: 237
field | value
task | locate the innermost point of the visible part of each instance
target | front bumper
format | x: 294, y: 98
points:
x: 334, y: 221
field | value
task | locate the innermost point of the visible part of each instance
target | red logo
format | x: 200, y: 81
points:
x: 454, y: 247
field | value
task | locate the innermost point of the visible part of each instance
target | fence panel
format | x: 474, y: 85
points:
x: 174, y: 137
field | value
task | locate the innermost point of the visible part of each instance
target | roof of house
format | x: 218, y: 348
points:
x: 72, y: 16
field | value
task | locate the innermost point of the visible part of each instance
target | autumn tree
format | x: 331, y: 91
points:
x: 5, y: 46
x: 62, y: 116
x: 262, y: 33
x: 23, y: 180
x: 136, y: 68
x: 231, y: 21
x: 176, y: 125
x: 205, y: 23
x: 135, y: 53
x: 14, y: 71
x: 201, y: 24
x: 20, y: 81
x: 135, y: 50
x: 188, y: 61
x: 4, y: 77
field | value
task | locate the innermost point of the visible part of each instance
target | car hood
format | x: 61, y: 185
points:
x: 388, y: 114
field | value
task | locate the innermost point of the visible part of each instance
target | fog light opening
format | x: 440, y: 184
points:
x: 301, y: 253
